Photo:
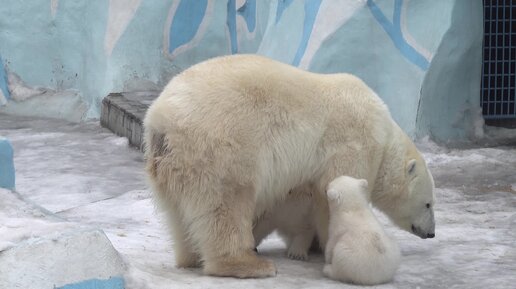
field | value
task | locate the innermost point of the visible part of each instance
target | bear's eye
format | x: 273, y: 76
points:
x: 428, y: 205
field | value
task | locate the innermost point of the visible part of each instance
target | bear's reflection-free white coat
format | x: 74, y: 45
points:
x: 228, y: 138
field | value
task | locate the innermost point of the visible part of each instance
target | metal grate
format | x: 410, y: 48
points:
x: 499, y: 60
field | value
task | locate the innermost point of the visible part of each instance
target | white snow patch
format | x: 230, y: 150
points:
x: 80, y: 172
x: 119, y: 141
x: 21, y: 221
x: 59, y: 260
x: 41, y: 250
x: 500, y: 134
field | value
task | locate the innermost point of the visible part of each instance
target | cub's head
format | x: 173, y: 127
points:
x: 406, y: 193
x: 348, y: 192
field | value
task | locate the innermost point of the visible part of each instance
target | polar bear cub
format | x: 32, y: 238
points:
x: 293, y: 221
x: 358, y: 249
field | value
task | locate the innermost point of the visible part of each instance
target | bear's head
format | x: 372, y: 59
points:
x: 405, y: 190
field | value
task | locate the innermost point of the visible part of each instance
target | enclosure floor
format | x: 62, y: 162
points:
x: 85, y: 174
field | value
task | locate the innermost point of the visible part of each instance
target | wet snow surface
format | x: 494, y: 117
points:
x: 85, y: 175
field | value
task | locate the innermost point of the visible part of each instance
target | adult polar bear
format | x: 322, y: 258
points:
x: 228, y: 138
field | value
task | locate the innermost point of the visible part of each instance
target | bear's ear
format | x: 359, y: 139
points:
x: 411, y: 167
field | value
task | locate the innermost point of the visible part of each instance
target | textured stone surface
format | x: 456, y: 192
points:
x: 39, y: 249
x: 123, y: 114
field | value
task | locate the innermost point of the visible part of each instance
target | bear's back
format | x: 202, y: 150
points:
x: 254, y: 92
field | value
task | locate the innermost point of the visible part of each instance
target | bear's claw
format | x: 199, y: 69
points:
x: 301, y: 256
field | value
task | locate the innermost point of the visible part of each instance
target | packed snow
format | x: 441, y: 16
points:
x: 81, y: 175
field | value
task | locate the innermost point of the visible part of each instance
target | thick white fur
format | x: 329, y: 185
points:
x: 358, y: 249
x: 228, y: 138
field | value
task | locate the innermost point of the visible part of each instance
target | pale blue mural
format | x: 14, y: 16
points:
x: 393, y: 29
x: 3, y: 80
x: 282, y: 5
x: 7, y: 174
x: 311, y: 9
x: 248, y: 11
x: 186, y: 22
x: 97, y: 47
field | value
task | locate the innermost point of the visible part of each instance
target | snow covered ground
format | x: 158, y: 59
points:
x: 82, y: 175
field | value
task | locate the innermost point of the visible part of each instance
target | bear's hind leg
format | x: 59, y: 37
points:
x: 183, y: 249
x: 224, y: 234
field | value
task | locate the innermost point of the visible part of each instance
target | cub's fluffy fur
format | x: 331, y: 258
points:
x: 358, y: 249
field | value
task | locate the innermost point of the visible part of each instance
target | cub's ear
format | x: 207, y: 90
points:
x: 411, y: 167
x: 333, y: 195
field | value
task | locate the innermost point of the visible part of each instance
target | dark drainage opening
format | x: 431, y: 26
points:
x: 499, y: 63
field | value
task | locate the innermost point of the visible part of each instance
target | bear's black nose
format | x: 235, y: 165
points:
x: 430, y: 235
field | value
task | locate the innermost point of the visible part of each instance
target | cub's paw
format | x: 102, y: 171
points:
x: 296, y: 254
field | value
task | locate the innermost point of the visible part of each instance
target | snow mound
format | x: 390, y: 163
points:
x: 21, y: 221
x: 41, y: 250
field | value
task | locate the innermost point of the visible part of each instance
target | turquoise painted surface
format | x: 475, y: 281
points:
x: 186, y: 22
x: 7, y: 178
x: 437, y: 11
x: 111, y: 283
x: 138, y: 54
x: 450, y: 93
x: 392, y: 45
x: 394, y: 31
x: 231, y: 22
x: 282, y: 5
x: 280, y: 41
x: 60, y: 52
x: 311, y: 9
x: 3, y: 80
x: 248, y: 12
x: 392, y: 76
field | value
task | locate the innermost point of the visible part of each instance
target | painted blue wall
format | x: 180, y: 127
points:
x: 396, y: 46
x: 111, y: 283
x: 450, y: 92
x: 3, y: 82
x: 7, y: 180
